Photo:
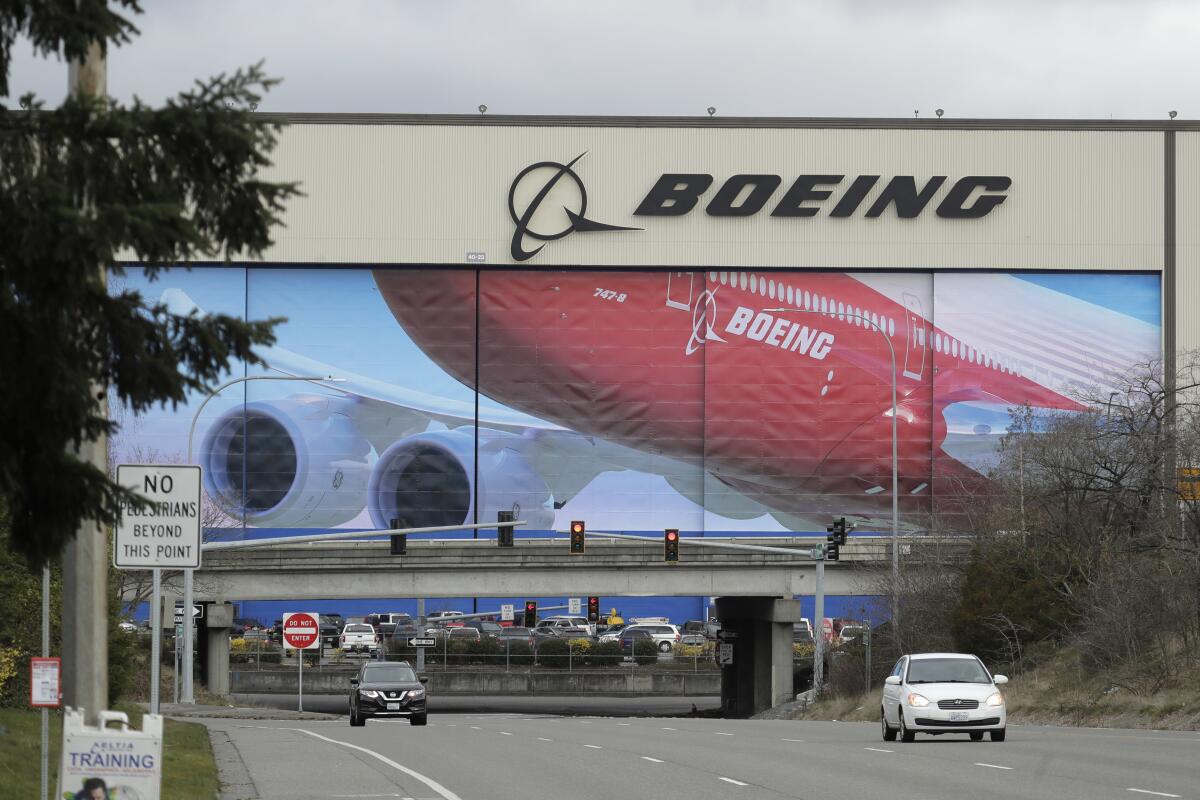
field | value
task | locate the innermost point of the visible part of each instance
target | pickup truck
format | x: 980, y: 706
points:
x: 358, y: 637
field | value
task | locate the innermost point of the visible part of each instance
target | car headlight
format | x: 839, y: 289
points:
x: 920, y: 701
x: 415, y: 693
x: 996, y: 699
x: 368, y: 693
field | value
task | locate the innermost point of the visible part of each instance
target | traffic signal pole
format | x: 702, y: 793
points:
x: 819, y: 630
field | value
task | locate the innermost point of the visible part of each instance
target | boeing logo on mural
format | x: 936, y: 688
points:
x: 550, y: 207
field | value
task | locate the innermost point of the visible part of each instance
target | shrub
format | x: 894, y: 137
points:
x: 645, y: 651
x: 238, y: 645
x: 519, y: 653
x: 604, y: 654
x: 554, y: 653
x: 484, y: 651
x: 580, y: 646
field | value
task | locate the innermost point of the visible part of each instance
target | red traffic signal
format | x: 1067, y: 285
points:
x: 578, y: 537
x: 593, y: 614
x: 530, y: 619
x: 671, y: 545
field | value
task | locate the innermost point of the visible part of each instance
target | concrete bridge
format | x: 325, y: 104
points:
x: 542, y: 568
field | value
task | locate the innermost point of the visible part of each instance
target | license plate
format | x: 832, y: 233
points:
x: 959, y: 716
x: 393, y: 706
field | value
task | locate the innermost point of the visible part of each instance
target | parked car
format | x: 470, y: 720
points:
x: 127, y: 626
x: 514, y: 634
x: 563, y: 621
x: 381, y: 689
x: 358, y: 637
x: 487, y: 628
x: 386, y: 623
x: 407, y: 629
x: 693, y: 639
x: 330, y: 627
x: 665, y: 636
x: 275, y: 632
x: 243, y: 624
x: 441, y: 615
x: 463, y: 633
x: 942, y: 693
x: 634, y: 634
x: 850, y: 633
x: 610, y: 634
x: 802, y: 633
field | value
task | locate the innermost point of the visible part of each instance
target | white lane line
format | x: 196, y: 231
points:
x: 731, y: 780
x: 654, y: 760
x: 505, y: 733
x: 594, y: 746
x: 719, y: 733
x: 1147, y: 791
x: 990, y: 766
x: 544, y: 739
x: 430, y: 782
x: 670, y: 729
x: 476, y: 728
x: 881, y: 750
x: 623, y: 724
x: 801, y: 741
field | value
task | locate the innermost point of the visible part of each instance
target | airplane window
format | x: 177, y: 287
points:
x: 954, y: 347
x: 824, y: 305
x: 937, y: 341
x: 790, y: 295
x: 753, y: 283
x: 891, y: 327
x: 771, y: 290
x: 712, y: 276
x: 921, y: 336
x: 807, y: 300
x: 841, y: 311
x: 744, y: 280
x: 762, y: 286
x: 875, y: 319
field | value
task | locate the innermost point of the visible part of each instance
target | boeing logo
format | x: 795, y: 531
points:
x: 550, y: 207
x: 757, y: 326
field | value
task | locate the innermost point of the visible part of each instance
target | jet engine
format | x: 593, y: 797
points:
x: 428, y: 480
x: 299, y: 462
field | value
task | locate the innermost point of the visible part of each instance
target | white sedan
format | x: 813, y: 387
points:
x: 942, y: 693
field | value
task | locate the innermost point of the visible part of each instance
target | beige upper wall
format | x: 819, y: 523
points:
x: 1187, y: 238
x: 430, y: 194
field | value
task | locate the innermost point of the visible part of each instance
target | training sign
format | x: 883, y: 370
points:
x: 107, y: 761
x: 165, y: 534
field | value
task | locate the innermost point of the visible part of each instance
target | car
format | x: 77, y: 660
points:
x: 441, y: 615
x: 330, y: 627
x: 850, y: 633
x: 243, y: 624
x: 127, y: 626
x: 665, y: 635
x: 463, y: 633
x: 611, y: 634
x: 634, y: 634
x: 515, y: 634
x: 407, y: 629
x: 563, y: 621
x: 486, y: 627
x: 942, y: 693
x: 802, y: 633
x: 382, y: 689
x: 358, y: 636
x: 693, y: 638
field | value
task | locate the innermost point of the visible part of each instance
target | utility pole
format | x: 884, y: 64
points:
x: 85, y: 559
x: 819, y: 628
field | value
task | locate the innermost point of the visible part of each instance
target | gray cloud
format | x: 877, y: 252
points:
x: 1016, y: 58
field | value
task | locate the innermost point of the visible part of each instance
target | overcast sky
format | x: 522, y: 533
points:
x: 1000, y: 58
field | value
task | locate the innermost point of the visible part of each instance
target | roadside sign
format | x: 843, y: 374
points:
x: 422, y: 642
x: 724, y: 634
x: 506, y: 612
x: 725, y: 653
x: 167, y: 534
x: 574, y: 606
x: 197, y: 612
x: 125, y: 761
x: 45, y: 682
x: 301, y: 631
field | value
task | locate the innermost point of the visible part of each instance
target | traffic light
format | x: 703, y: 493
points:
x: 530, y: 620
x: 504, y: 533
x: 399, y: 540
x: 593, y: 609
x: 578, y: 537
x: 836, y: 538
x: 671, y: 545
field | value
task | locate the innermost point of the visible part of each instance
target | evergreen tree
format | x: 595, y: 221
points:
x: 92, y: 184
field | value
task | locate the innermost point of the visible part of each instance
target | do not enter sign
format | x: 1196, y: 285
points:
x: 301, y: 631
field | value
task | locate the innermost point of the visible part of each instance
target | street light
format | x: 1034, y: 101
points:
x: 188, y: 696
x: 895, y: 458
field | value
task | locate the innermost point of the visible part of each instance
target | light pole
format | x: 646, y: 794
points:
x: 188, y: 696
x: 895, y: 458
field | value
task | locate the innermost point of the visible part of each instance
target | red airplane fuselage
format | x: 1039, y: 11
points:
x: 792, y: 409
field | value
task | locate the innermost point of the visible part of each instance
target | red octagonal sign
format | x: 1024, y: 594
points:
x: 301, y: 631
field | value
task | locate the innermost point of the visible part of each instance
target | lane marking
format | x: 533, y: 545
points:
x: 623, y: 724
x: 594, y: 746
x: 505, y: 733
x: 430, y: 782
x: 544, y: 739
x: 719, y: 733
x: 990, y: 766
x: 1147, y: 791
x: 881, y: 750
x: 801, y: 741
x: 476, y: 728
x: 670, y: 729
x: 731, y: 780
x: 654, y: 760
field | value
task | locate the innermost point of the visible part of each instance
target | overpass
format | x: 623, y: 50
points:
x: 544, y: 568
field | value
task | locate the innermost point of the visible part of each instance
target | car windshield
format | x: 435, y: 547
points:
x: 359, y: 629
x: 389, y: 673
x: 946, y: 670
x: 515, y: 632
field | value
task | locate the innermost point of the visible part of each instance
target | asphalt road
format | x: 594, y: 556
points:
x: 530, y: 757
x: 565, y: 705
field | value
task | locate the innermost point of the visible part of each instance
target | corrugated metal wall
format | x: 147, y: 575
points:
x: 428, y: 194
x: 1187, y: 233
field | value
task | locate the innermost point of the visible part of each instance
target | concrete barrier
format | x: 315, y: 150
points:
x: 613, y: 684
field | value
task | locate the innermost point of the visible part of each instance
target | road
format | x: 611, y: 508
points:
x: 562, y: 705
x: 529, y: 757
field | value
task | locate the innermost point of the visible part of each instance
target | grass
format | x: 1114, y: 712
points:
x: 189, y: 771
x: 1060, y: 692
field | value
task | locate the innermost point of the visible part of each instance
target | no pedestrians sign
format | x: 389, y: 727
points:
x: 165, y: 535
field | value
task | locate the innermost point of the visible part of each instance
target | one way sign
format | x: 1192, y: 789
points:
x: 197, y: 613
